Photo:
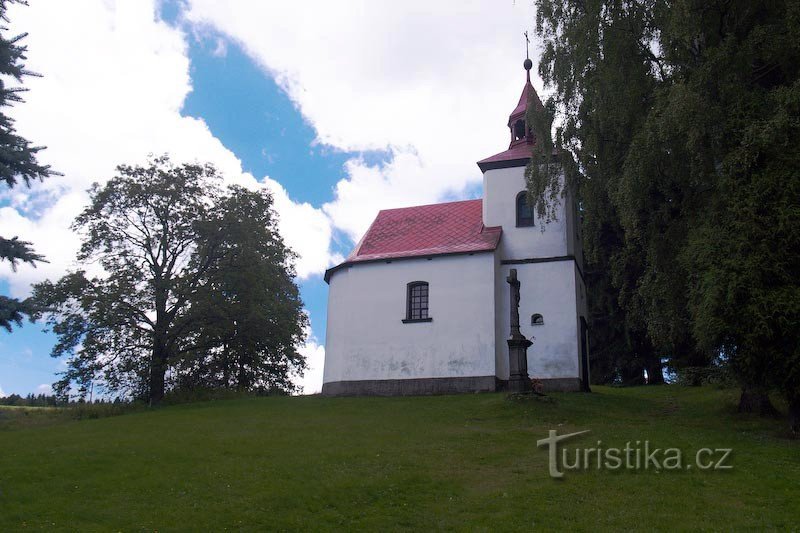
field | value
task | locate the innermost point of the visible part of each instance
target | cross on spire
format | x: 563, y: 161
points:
x: 527, y: 42
x: 528, y: 64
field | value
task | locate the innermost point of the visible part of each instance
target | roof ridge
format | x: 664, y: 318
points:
x: 430, y: 205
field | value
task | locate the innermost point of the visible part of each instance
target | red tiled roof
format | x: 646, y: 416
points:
x: 448, y: 228
x: 522, y: 106
x: 528, y: 93
x: 520, y: 152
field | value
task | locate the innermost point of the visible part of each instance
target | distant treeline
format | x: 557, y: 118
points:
x: 48, y: 400
x: 31, y: 400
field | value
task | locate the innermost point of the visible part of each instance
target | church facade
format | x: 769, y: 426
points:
x: 421, y: 305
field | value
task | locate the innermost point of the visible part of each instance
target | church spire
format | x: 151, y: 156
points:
x: 522, y: 136
x: 521, y: 132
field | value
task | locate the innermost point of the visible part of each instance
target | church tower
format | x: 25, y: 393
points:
x: 548, y: 258
x: 421, y: 304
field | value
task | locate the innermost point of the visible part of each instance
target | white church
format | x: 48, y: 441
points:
x: 421, y: 305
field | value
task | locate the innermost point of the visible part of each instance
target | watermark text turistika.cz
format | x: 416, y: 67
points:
x: 639, y: 455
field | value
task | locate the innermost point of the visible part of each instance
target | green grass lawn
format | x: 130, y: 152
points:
x: 465, y: 462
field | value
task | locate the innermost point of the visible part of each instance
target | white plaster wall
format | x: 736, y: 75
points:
x: 500, y: 189
x: 501, y: 295
x: 548, y: 289
x: 366, y: 338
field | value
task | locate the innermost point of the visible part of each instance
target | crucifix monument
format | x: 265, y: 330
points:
x: 518, y: 380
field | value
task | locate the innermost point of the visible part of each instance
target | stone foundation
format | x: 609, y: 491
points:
x: 429, y: 386
x: 410, y: 387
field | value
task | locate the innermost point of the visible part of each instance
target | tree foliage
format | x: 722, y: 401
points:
x: 682, y: 117
x: 244, y: 299
x: 158, y: 239
x: 17, y: 157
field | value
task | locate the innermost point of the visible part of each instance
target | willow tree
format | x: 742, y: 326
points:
x: 602, y: 79
x: 682, y: 119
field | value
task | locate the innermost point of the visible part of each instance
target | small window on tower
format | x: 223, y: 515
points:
x: 524, y: 210
x: 519, y: 129
x: 417, y: 302
x: 537, y: 320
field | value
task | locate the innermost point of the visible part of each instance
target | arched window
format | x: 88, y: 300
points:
x: 524, y: 210
x: 537, y: 320
x: 519, y: 130
x: 417, y: 302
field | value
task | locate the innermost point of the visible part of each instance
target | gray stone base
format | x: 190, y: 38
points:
x: 410, y: 387
x: 428, y: 386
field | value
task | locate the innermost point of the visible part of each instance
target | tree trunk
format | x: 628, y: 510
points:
x: 632, y: 374
x: 794, y: 415
x: 655, y: 371
x: 158, y: 371
x: 242, y: 381
x: 158, y: 364
x: 756, y: 400
x: 226, y: 367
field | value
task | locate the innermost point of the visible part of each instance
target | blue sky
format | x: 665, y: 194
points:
x: 246, y: 110
x: 253, y: 117
x: 340, y: 113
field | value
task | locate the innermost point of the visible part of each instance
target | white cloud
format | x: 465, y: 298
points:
x: 51, y: 236
x: 435, y: 81
x: 431, y: 81
x: 115, y: 79
x: 307, y: 230
x: 2, y: 393
x: 45, y: 389
x: 311, y: 382
x: 221, y: 48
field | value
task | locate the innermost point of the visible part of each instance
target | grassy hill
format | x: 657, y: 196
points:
x: 446, y: 462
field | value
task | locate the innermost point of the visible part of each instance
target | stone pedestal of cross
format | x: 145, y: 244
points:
x: 518, y: 345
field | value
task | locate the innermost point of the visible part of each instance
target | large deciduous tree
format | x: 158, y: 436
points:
x: 128, y: 320
x: 682, y: 117
x: 248, y: 314
x: 17, y: 158
x: 157, y: 239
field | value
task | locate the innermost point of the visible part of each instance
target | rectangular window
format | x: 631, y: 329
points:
x: 417, y: 302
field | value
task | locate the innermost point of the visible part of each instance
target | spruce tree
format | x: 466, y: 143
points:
x: 17, y: 157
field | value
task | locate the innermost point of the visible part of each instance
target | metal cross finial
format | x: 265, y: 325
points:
x: 527, y: 42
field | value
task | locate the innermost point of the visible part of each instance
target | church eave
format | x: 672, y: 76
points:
x: 329, y: 273
x: 503, y: 163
